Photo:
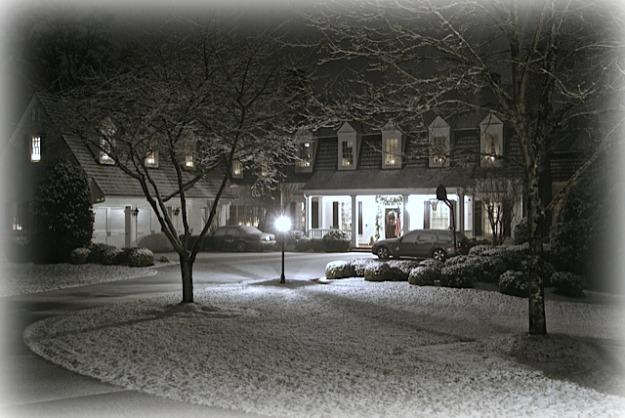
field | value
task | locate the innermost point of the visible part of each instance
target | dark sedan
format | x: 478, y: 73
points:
x: 239, y: 238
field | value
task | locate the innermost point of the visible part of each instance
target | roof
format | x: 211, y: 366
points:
x: 110, y: 179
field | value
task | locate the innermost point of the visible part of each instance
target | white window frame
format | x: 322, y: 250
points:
x: 439, y: 136
x: 348, y: 139
x: 151, y: 159
x: 392, y: 146
x: 105, y: 150
x: 35, y: 148
x: 237, y: 169
x: 189, y: 155
x: 491, y: 141
x: 305, y: 151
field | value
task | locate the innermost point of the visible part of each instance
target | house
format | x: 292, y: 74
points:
x: 382, y: 183
x: 123, y: 217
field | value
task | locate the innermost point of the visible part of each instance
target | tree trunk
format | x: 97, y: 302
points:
x: 186, y: 267
x: 537, y: 317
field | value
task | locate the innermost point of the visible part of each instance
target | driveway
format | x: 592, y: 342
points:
x: 37, y: 388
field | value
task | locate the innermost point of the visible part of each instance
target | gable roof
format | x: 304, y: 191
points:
x: 110, y: 179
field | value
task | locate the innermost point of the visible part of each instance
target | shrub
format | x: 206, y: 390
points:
x: 511, y: 258
x: 79, y: 255
x: 360, y: 265
x: 568, y: 284
x: 98, y: 251
x: 336, y: 241
x: 140, y: 257
x: 479, y: 249
x: 303, y: 244
x: 62, y: 212
x: 403, y: 266
x: 424, y: 276
x: 380, y: 272
x: 430, y: 262
x: 339, y: 270
x: 457, y: 275
x: 112, y: 256
x: 487, y: 269
x: 545, y: 270
x: 521, y: 232
x: 514, y: 283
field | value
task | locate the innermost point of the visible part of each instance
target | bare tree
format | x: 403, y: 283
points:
x: 538, y: 66
x: 198, y: 100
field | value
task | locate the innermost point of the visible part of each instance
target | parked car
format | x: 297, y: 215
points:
x: 435, y: 243
x: 239, y: 238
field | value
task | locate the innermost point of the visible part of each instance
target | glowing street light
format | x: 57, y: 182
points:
x: 283, y: 224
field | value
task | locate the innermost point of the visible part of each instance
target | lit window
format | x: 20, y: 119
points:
x: 151, y: 159
x: 105, y: 151
x: 439, y: 134
x: 439, y: 215
x: 391, y: 152
x: 347, y: 153
x: 237, y: 169
x: 305, y: 155
x: 35, y: 148
x: 491, y: 147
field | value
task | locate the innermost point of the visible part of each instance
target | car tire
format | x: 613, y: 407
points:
x: 241, y: 247
x: 439, y: 254
x: 383, y: 253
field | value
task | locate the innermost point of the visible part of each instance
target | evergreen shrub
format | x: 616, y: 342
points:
x: 424, y: 276
x: 380, y: 272
x: 514, y: 283
x: 140, y: 257
x: 339, y: 270
x: 568, y: 284
x: 79, y: 255
x: 336, y: 241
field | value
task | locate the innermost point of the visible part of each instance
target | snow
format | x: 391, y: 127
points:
x: 351, y: 348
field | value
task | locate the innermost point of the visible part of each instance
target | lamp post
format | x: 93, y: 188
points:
x: 283, y: 224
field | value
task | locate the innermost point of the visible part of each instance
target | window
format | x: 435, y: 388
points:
x: 189, y: 155
x: 439, y: 136
x: 151, y: 159
x: 237, y: 169
x: 491, y: 141
x: 105, y: 150
x: 347, y: 153
x: 391, y: 147
x: 440, y: 216
x: 35, y: 148
x: 305, y: 153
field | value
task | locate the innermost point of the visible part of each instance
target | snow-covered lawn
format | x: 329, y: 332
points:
x: 351, y: 348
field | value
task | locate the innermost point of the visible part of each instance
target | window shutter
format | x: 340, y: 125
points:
x: 426, y: 215
x: 477, y: 217
x: 335, y: 215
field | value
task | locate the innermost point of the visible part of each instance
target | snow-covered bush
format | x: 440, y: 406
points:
x: 79, y: 255
x: 568, y: 284
x: 380, y: 272
x: 405, y: 266
x: 140, y: 257
x: 512, y: 258
x: 97, y: 252
x: 514, y: 283
x: 430, y: 262
x: 336, y: 241
x: 424, y: 276
x: 487, y: 269
x: 479, y: 249
x: 360, y: 265
x: 339, y: 270
x: 112, y: 256
x: 521, y: 232
x: 460, y: 274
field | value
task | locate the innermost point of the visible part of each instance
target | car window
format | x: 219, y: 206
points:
x: 424, y: 237
x: 220, y: 232
x: 233, y: 232
x: 410, y: 237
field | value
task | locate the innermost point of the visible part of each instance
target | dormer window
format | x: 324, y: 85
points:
x: 189, y: 155
x: 491, y: 141
x: 348, y: 142
x: 35, y: 148
x: 439, y: 138
x: 391, y: 147
x: 347, y: 153
x: 237, y: 169
x: 105, y: 152
x: 305, y: 152
x: 151, y: 159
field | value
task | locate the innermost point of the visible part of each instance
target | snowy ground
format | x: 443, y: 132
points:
x: 351, y: 348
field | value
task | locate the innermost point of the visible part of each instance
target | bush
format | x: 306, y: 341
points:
x: 380, y: 272
x: 430, y: 262
x: 360, y: 265
x: 403, y: 266
x: 112, y: 256
x: 479, y: 249
x: 339, y: 270
x: 140, y: 257
x: 62, y: 212
x: 487, y: 269
x: 521, y: 232
x: 568, y: 284
x: 98, y: 252
x: 424, y: 276
x: 459, y: 274
x: 79, y: 255
x: 514, y: 283
x: 336, y: 241
x: 512, y: 258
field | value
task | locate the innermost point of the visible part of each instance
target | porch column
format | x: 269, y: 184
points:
x: 354, y: 221
x: 405, y: 226
x: 308, y: 214
x: 461, y: 220
x: 130, y: 226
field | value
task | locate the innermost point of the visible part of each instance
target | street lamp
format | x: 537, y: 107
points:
x: 283, y: 224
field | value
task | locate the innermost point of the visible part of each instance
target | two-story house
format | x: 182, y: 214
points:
x: 123, y: 217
